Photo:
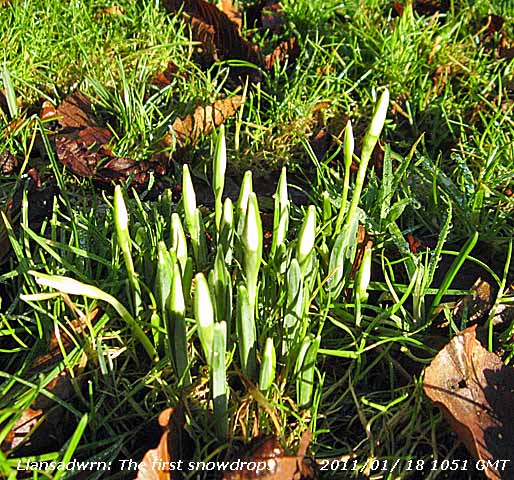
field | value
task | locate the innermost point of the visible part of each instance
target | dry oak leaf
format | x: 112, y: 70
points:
x: 475, y: 391
x: 202, y: 121
x: 278, y: 466
x: 215, y: 31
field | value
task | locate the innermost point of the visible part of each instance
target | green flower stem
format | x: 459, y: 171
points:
x: 369, y: 142
x: 122, y: 231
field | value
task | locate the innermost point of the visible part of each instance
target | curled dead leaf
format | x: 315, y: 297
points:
x: 218, y: 34
x: 475, y: 391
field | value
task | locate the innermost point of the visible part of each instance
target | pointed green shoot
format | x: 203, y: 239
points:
x: 188, y: 198
x: 349, y: 146
x: 226, y: 237
x: 121, y: 220
x: 306, y: 237
x: 268, y: 366
x: 281, y: 214
x: 177, y: 335
x: 242, y: 202
x: 252, y: 243
x: 204, y: 315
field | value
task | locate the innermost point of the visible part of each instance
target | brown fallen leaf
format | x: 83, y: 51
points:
x: 231, y: 11
x: 48, y: 111
x: 164, y: 78
x: 76, y: 111
x: 204, y: 119
x: 82, y: 145
x: 364, y: 242
x: 156, y: 461
x: 8, y: 163
x: 272, y: 17
x: 273, y: 464
x: 114, y: 10
x: 215, y: 31
x: 287, y: 50
x: 475, y: 391
x: 475, y: 306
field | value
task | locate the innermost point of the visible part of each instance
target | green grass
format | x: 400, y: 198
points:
x: 347, y: 354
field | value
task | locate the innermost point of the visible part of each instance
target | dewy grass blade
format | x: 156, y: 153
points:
x: 268, y: 366
x: 219, y: 378
x: 246, y: 333
x: 327, y: 213
x: 122, y: 232
x: 252, y: 242
x: 204, y: 315
x: 177, y: 335
x: 73, y: 287
x: 452, y: 272
x: 219, y: 166
x: 10, y: 93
